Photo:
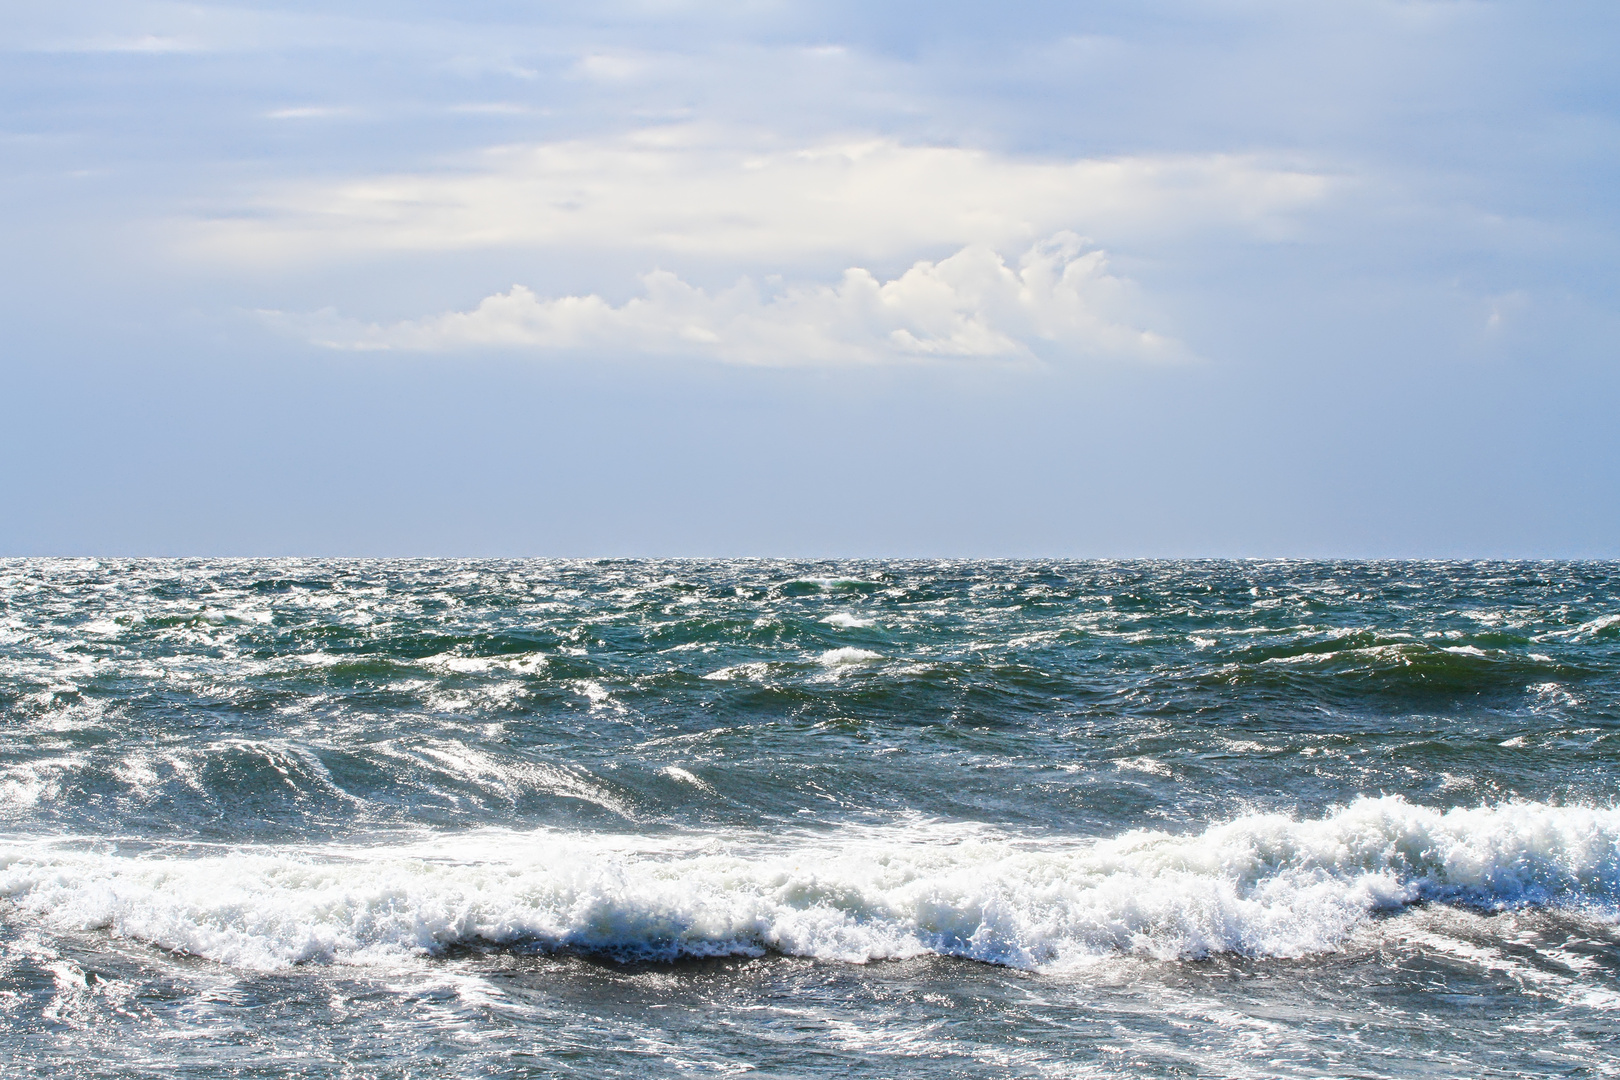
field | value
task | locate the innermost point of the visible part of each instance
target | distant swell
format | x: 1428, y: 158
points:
x: 1261, y: 885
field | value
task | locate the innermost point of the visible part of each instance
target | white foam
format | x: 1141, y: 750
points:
x: 523, y: 663
x: 506, y: 778
x: 1591, y: 628
x: 828, y: 584
x: 847, y: 655
x: 597, y: 694
x: 675, y: 772
x: 847, y: 621
x: 1261, y: 885
x: 753, y: 672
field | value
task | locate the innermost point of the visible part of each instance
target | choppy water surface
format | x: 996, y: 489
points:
x: 479, y: 818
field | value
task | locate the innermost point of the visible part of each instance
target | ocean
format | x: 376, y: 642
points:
x: 481, y: 818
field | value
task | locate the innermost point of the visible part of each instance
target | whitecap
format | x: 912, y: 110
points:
x: 1259, y: 885
x: 675, y: 772
x: 753, y: 672
x: 847, y: 655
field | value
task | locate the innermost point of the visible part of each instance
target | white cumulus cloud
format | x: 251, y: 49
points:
x: 1059, y: 302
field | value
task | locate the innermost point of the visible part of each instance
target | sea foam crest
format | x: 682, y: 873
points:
x: 1262, y: 885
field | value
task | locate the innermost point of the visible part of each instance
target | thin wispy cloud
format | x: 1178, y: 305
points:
x: 142, y: 43
x: 698, y: 190
x: 310, y: 112
x: 256, y: 30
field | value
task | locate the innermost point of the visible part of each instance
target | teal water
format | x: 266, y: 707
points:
x: 484, y: 818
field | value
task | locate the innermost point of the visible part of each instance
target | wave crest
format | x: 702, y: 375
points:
x: 1262, y: 885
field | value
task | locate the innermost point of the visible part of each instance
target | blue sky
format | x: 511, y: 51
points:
x: 1108, y: 279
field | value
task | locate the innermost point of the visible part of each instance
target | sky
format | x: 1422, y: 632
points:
x: 1160, y: 278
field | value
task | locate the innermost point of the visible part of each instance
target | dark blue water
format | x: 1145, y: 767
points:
x: 481, y: 818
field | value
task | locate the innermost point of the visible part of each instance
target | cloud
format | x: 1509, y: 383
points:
x: 1060, y: 302
x: 692, y: 190
x: 309, y: 112
x: 610, y: 68
x: 145, y: 43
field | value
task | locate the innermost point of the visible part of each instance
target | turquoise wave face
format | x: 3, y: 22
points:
x: 963, y: 818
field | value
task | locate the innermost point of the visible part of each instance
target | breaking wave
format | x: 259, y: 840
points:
x: 1260, y: 885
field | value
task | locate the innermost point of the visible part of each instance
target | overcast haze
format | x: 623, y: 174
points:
x: 1133, y: 279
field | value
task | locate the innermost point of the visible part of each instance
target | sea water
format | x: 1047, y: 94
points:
x: 634, y: 818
